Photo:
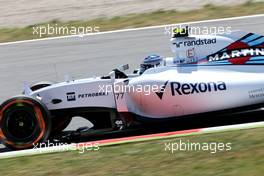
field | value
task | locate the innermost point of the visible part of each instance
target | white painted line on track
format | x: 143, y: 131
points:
x: 233, y: 127
x: 30, y: 152
x: 132, y: 29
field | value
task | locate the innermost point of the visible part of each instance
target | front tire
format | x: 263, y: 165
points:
x: 24, y: 122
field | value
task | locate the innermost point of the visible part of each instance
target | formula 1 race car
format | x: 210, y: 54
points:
x: 210, y: 74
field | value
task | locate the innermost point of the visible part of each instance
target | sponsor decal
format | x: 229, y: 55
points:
x: 195, y: 42
x: 257, y: 93
x: 91, y: 95
x: 161, y: 92
x: 237, y: 53
x: 71, y: 96
x: 194, y: 88
x: 190, y: 53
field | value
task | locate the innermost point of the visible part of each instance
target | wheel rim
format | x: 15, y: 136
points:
x: 21, y: 124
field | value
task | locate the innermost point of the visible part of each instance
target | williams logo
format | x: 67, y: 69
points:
x: 71, y: 96
x: 161, y: 92
x: 192, y: 88
x: 195, y: 42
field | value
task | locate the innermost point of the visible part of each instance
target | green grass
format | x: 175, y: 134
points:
x: 246, y: 158
x: 139, y: 20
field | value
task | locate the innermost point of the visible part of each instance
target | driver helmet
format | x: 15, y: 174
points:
x: 150, y: 62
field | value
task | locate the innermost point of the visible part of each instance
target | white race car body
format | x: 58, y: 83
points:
x: 217, y: 73
x: 184, y: 93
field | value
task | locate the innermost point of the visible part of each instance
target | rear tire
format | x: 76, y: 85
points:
x: 24, y: 122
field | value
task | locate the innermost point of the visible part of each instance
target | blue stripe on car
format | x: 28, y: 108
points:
x: 250, y: 38
x: 257, y: 58
x: 256, y: 42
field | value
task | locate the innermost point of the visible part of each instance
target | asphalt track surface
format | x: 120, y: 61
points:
x: 87, y: 56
